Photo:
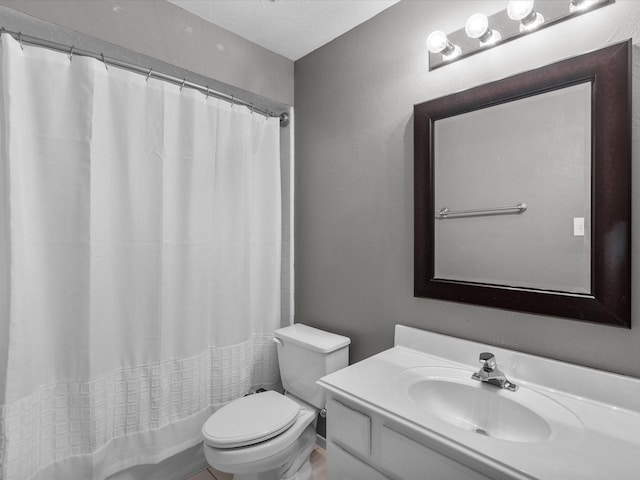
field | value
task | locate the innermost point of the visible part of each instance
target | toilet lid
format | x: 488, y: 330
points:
x: 250, y: 420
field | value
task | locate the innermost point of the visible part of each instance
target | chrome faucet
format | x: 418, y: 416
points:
x: 490, y: 373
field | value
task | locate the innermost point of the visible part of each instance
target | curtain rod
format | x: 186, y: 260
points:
x: 147, y: 72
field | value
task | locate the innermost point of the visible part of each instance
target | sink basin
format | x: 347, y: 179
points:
x: 451, y: 396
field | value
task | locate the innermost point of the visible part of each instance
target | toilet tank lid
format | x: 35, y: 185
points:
x: 312, y: 338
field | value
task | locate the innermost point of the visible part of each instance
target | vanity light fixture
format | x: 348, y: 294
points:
x: 437, y: 42
x: 519, y: 17
x: 522, y: 11
x: 580, y: 5
x: 477, y: 26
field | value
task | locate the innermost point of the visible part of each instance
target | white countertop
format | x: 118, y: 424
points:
x: 605, y: 446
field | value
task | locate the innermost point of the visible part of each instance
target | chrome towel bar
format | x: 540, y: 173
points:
x: 446, y: 213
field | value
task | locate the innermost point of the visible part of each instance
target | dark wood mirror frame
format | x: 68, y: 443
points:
x: 609, y: 71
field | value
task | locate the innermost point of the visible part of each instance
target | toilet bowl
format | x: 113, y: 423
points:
x: 269, y: 435
x: 274, y: 447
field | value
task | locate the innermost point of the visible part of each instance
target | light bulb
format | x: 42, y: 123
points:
x: 519, y: 9
x: 437, y: 41
x: 523, y: 10
x: 477, y: 25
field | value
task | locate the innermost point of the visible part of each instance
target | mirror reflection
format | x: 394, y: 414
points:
x: 516, y: 193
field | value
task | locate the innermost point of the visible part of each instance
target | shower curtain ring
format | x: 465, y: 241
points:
x: 71, y: 53
x: 105, y: 62
x: 20, y: 40
x: 184, y: 80
x: 252, y: 109
x: 207, y: 93
x: 148, y: 74
x: 233, y: 101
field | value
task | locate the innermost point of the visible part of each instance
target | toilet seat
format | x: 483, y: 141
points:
x: 267, y: 454
x: 249, y: 420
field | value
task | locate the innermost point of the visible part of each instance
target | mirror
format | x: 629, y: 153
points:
x: 522, y: 191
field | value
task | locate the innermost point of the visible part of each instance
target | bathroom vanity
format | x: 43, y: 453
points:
x: 414, y: 412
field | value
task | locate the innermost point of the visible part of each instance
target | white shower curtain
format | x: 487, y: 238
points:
x: 139, y: 263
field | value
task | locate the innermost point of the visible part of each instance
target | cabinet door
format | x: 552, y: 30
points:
x: 348, y: 428
x: 409, y: 460
x: 342, y: 466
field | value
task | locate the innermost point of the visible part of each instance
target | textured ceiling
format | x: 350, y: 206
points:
x: 291, y: 28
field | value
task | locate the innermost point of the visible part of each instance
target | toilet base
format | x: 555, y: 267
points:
x: 303, y: 473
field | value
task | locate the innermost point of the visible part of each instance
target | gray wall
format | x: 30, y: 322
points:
x: 166, y: 32
x: 354, y: 181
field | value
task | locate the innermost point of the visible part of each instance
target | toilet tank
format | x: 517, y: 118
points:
x: 306, y: 354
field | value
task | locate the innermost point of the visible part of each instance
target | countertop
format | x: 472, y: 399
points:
x: 602, y: 443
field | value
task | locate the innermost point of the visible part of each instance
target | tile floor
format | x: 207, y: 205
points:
x: 318, y: 465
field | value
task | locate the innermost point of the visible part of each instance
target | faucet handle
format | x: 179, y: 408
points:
x: 489, y: 361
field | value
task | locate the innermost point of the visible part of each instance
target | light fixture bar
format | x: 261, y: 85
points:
x: 543, y: 13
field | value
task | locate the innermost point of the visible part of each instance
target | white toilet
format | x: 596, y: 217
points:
x: 269, y: 436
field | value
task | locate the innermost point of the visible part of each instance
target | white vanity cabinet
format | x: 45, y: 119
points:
x: 362, y: 444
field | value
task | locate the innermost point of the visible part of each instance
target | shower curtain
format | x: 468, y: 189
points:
x: 139, y: 263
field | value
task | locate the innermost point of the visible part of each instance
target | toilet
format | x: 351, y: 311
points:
x: 269, y: 435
